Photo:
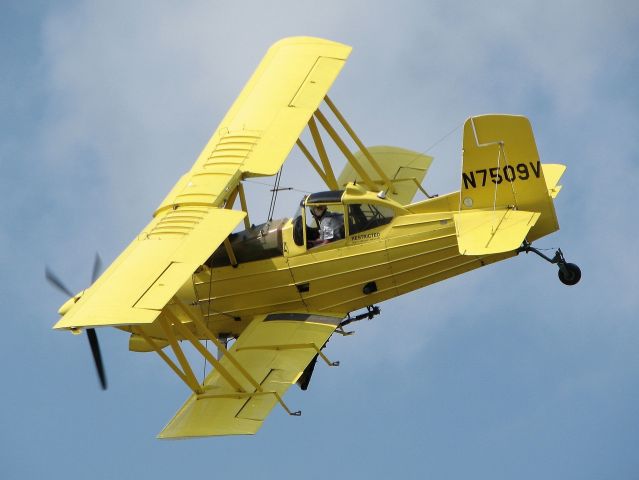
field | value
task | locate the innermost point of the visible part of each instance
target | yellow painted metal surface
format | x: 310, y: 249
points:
x: 262, y: 125
x: 278, y: 101
x: 238, y: 294
x: 336, y: 274
x: 500, y: 163
x: 137, y: 343
x: 422, y: 249
x: 283, y: 309
x: 552, y: 174
x: 485, y: 232
x: 406, y: 170
x: 274, y: 350
x: 254, y: 138
x: 501, y: 169
x: 150, y: 271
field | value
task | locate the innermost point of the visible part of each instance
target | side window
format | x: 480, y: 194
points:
x: 364, y: 216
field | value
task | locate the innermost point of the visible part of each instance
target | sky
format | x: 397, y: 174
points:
x: 501, y: 373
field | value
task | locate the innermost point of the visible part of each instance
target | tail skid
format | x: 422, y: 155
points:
x: 569, y: 273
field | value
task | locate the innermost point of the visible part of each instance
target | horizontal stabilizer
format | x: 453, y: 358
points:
x: 552, y: 174
x: 482, y: 232
x: 273, y: 351
x: 406, y: 170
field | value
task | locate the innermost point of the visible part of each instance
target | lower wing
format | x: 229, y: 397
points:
x: 252, y: 377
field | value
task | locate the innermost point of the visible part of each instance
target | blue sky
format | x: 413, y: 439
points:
x: 501, y: 373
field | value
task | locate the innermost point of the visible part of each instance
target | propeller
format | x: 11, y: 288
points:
x: 97, y: 358
x: 91, y: 335
x: 97, y: 268
x: 56, y: 282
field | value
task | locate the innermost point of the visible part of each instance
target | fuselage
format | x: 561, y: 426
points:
x: 416, y: 248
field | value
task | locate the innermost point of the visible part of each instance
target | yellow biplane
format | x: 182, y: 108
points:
x: 280, y: 289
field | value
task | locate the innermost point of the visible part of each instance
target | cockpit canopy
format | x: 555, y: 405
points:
x: 362, y: 214
x: 351, y: 211
x: 330, y: 196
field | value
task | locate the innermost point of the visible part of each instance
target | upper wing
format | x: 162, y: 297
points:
x: 270, y: 113
x: 274, y: 350
x: 406, y: 170
x: 254, y: 138
x: 265, y: 121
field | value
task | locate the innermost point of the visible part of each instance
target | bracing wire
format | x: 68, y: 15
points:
x: 512, y: 183
x: 257, y: 182
x: 424, y: 152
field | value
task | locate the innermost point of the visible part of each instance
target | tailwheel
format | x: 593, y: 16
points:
x: 569, y: 273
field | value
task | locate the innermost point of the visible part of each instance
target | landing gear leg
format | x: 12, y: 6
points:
x: 569, y: 273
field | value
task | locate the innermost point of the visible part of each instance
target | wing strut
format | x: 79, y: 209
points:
x: 198, y: 346
x: 199, y: 324
x: 387, y: 182
x: 240, y: 189
x: 345, y: 150
x: 188, y: 375
x: 315, y: 165
x: 164, y: 356
x: 168, y: 321
x: 230, y: 201
x: 363, y: 163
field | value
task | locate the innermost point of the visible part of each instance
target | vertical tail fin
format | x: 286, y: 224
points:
x: 501, y: 166
x: 501, y: 170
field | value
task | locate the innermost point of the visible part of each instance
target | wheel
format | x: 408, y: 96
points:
x: 571, y: 276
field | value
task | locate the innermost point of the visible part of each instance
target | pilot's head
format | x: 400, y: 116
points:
x: 318, y: 210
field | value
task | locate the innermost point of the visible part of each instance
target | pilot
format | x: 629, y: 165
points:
x: 331, y: 225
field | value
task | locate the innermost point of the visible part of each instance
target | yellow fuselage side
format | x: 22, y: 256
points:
x: 418, y: 248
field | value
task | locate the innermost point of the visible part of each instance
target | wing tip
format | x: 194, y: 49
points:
x: 176, y: 437
x: 324, y: 47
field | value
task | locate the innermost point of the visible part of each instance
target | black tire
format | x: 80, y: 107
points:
x: 571, y: 276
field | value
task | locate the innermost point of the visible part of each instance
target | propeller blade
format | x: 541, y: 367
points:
x: 56, y: 282
x: 97, y: 358
x: 97, y: 268
x: 92, y: 336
